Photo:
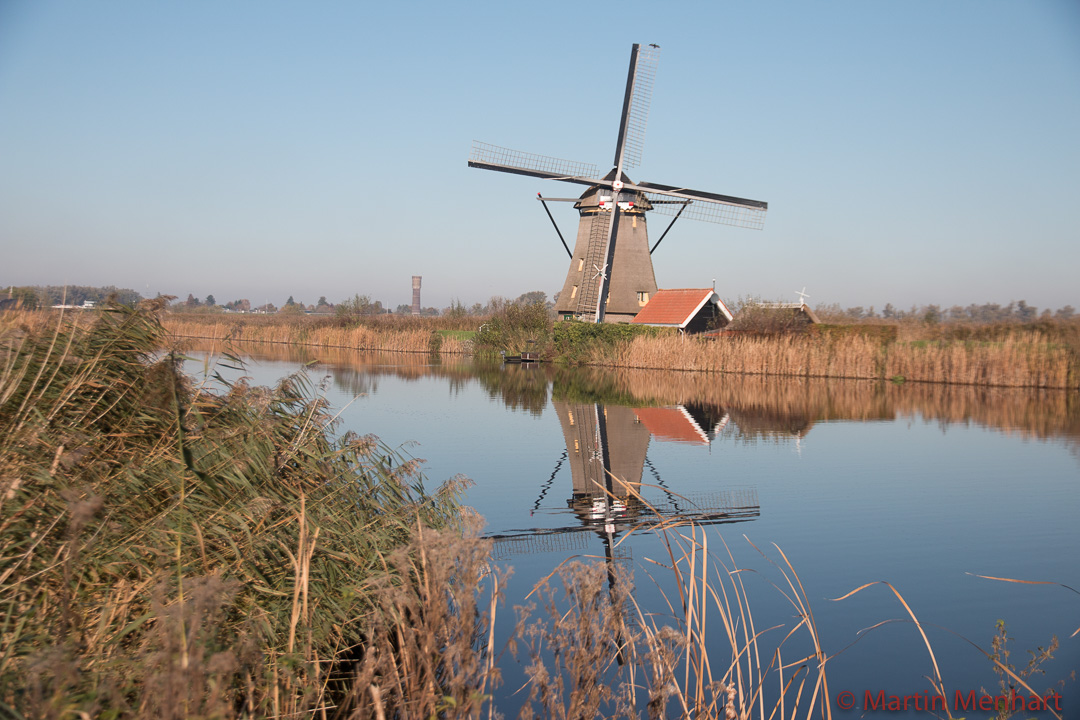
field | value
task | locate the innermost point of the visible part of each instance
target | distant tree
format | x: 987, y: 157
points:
x: 932, y: 315
x: 210, y: 301
x: 359, y: 305
x: 78, y: 294
x: 290, y: 302
x: 429, y: 312
x: 1065, y: 313
x: 292, y: 309
x: 403, y: 309
x: 192, y: 301
x: 322, y: 301
x: 829, y: 313
x: 476, y: 309
x: 1025, y: 312
x: 888, y: 312
x: 456, y: 309
x: 24, y: 297
x: 535, y: 297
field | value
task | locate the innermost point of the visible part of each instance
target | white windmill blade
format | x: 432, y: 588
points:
x: 802, y: 295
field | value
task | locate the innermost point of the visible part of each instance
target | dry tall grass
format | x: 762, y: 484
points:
x: 1023, y: 359
x: 403, y: 337
x: 172, y: 553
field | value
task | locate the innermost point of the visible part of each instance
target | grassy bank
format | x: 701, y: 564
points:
x: 1038, y: 355
x: 392, y: 333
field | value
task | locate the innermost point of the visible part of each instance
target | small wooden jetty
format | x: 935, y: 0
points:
x: 525, y: 357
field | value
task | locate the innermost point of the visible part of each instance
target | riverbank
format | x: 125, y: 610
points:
x: 1039, y: 355
x: 389, y: 334
x: 170, y: 552
x: 1005, y: 357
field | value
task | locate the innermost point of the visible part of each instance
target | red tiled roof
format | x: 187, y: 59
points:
x: 671, y: 423
x: 673, y: 307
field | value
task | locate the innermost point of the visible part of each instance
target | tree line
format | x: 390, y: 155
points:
x: 985, y: 314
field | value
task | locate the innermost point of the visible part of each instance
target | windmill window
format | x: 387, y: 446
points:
x: 581, y: 264
x: 573, y: 293
x: 642, y: 298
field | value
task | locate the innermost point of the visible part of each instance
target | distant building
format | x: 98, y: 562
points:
x: 796, y: 308
x: 691, y: 310
x: 87, y: 305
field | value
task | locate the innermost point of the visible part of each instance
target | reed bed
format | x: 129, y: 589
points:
x: 1023, y: 359
x: 167, y: 552
x: 403, y: 338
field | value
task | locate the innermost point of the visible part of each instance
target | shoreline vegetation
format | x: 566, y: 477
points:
x: 171, y: 552
x: 1043, y: 354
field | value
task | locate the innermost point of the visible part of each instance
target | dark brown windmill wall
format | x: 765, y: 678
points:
x: 632, y: 280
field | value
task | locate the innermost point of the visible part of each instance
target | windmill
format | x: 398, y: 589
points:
x: 611, y: 271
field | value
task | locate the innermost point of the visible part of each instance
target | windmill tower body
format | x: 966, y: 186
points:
x: 627, y: 263
x: 611, y: 273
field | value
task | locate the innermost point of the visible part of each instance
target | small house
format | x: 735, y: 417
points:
x: 691, y: 310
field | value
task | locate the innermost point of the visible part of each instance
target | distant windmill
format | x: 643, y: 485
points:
x: 608, y: 277
x: 802, y: 295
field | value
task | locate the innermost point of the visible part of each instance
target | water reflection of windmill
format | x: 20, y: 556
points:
x: 607, y: 454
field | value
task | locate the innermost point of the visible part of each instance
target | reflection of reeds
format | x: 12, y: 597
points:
x: 1020, y: 359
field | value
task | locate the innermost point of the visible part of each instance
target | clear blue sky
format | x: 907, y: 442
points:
x: 914, y: 152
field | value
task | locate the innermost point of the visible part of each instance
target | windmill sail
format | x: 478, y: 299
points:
x: 635, y: 115
x: 709, y: 211
x: 493, y: 157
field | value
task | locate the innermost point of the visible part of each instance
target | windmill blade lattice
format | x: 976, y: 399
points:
x: 638, y: 100
x: 709, y: 211
x: 493, y: 157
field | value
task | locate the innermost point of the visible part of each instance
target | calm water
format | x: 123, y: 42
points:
x: 921, y: 486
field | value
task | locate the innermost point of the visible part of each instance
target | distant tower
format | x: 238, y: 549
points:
x: 415, y: 294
